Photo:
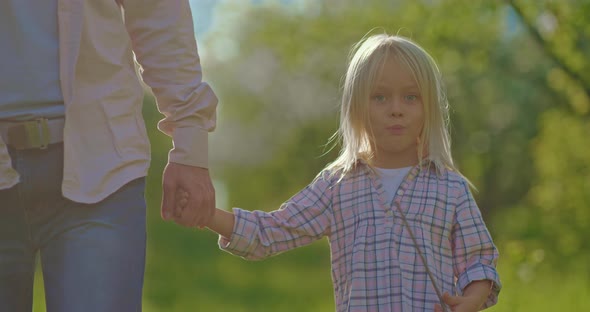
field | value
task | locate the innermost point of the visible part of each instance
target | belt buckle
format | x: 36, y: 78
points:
x: 37, y: 133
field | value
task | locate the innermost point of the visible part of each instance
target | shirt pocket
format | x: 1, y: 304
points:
x: 126, y: 128
x: 433, y: 219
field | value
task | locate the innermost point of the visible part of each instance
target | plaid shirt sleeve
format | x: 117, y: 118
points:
x: 306, y: 217
x: 475, y: 255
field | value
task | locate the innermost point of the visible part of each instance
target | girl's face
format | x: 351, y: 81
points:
x: 396, y: 116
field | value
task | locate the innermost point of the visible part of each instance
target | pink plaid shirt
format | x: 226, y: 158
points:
x: 375, y: 266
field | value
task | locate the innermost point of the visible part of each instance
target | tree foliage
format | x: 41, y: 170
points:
x: 517, y: 78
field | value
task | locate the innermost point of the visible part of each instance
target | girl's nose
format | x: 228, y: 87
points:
x: 396, y: 107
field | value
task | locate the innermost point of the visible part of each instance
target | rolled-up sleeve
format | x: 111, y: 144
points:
x: 475, y: 255
x: 305, y: 218
x: 164, y: 43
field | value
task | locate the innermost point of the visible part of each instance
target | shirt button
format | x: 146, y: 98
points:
x: 400, y: 193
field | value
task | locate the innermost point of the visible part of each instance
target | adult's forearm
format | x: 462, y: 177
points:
x: 164, y: 43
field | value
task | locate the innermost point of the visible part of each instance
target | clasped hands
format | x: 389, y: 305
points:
x: 188, y: 196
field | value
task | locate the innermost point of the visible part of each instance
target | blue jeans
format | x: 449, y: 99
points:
x: 92, y: 255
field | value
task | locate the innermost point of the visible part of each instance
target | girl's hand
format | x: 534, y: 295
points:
x: 181, y: 201
x: 459, y: 303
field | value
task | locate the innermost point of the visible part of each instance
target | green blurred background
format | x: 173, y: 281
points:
x: 518, y: 81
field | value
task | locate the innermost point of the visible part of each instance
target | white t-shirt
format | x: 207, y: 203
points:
x: 29, y: 60
x: 391, y: 180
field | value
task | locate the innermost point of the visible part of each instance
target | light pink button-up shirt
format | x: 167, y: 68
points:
x: 105, y: 140
x: 375, y: 265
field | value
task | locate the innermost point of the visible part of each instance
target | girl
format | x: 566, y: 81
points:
x: 405, y: 232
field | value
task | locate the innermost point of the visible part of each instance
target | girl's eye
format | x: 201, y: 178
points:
x: 411, y: 98
x: 380, y: 98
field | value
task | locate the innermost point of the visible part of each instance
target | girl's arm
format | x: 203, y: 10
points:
x: 255, y: 235
x: 222, y: 223
x: 474, y: 297
x: 474, y: 253
x: 479, y: 291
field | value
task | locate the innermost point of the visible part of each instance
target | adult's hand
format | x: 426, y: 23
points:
x: 191, y: 185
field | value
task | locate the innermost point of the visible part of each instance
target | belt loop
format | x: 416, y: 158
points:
x: 37, y: 133
x: 43, y: 128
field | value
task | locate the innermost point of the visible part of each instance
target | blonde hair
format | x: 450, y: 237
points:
x: 366, y: 60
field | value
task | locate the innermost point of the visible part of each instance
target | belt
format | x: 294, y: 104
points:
x: 38, y: 133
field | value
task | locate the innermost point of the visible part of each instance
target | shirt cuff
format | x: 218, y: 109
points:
x: 481, y: 272
x: 191, y: 147
x: 241, y: 240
